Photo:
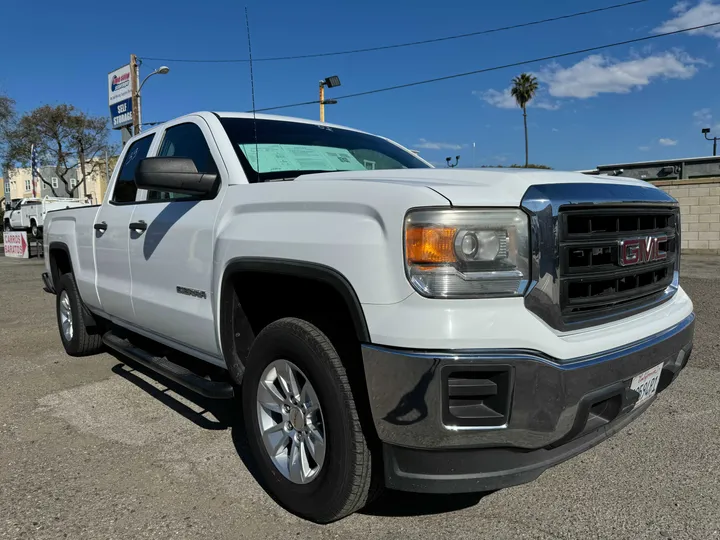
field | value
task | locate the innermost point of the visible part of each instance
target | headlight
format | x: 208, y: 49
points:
x: 467, y: 253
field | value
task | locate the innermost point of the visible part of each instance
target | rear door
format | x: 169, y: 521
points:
x: 112, y: 235
x: 172, y: 246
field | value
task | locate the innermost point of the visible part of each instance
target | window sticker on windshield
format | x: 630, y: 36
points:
x: 268, y: 157
x: 341, y: 159
x: 295, y: 157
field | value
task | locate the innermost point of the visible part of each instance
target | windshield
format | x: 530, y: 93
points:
x: 284, y: 150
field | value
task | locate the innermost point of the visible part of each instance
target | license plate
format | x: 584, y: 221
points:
x: 646, y: 383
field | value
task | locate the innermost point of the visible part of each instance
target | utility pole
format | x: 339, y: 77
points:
x: 134, y: 85
x: 322, y: 101
x: 330, y: 82
x: 82, y: 168
x: 107, y: 171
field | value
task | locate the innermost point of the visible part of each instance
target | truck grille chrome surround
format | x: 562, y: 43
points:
x: 600, y: 252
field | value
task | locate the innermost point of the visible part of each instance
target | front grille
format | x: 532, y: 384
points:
x: 592, y: 280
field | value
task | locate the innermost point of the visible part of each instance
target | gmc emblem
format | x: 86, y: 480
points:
x: 641, y: 250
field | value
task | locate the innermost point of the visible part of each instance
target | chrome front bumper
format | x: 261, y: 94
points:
x: 550, y: 400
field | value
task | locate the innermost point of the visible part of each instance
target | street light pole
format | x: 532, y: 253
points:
x: 452, y: 165
x: 137, y: 88
x: 330, y: 82
x: 705, y: 132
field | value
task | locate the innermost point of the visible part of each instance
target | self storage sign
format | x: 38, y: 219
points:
x: 121, y: 113
x: 120, y: 96
x: 15, y: 245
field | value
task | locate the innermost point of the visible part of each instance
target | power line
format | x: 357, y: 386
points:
x: 497, y: 68
x: 400, y: 45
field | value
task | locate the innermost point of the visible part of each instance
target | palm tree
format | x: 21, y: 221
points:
x: 523, y: 90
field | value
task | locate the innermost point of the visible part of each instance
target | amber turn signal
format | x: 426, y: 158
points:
x: 430, y: 245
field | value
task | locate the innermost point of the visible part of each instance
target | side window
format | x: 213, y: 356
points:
x: 188, y: 141
x: 125, y: 188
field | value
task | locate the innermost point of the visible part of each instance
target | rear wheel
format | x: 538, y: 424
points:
x: 34, y: 230
x: 74, y: 334
x: 303, y: 425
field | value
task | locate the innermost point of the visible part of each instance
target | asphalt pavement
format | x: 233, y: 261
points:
x: 93, y: 449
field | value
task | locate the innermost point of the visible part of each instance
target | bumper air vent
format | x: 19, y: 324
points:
x: 476, y: 395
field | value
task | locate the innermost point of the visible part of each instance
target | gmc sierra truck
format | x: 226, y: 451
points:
x: 383, y: 323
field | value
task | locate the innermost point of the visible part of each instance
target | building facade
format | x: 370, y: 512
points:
x: 18, y: 183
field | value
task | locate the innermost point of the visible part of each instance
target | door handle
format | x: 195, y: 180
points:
x: 138, y: 226
x: 102, y: 226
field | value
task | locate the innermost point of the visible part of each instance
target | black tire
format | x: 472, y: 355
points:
x: 82, y: 343
x: 343, y: 485
x: 34, y: 230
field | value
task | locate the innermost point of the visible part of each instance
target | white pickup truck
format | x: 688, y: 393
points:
x: 383, y: 322
x: 29, y: 214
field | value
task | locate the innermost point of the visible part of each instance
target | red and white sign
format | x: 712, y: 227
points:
x: 119, y: 85
x: 15, y: 244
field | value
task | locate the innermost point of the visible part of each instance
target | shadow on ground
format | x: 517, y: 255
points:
x: 402, y: 504
x: 228, y: 415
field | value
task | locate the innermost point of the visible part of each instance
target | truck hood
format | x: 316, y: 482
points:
x: 472, y: 187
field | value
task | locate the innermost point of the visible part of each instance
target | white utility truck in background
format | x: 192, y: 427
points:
x: 29, y: 214
x: 384, y: 322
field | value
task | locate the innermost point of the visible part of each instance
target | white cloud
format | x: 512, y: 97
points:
x: 643, y: 148
x: 547, y: 105
x: 555, y: 130
x: 429, y: 145
x: 680, y: 7
x: 689, y: 17
x: 504, y: 100
x: 667, y: 142
x: 703, y: 117
x: 598, y: 74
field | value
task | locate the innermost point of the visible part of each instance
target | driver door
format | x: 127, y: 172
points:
x: 172, y: 245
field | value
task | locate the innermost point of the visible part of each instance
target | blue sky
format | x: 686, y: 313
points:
x: 640, y: 102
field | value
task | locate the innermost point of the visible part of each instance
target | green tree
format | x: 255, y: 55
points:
x: 523, y: 90
x: 64, y: 138
x: 7, y: 119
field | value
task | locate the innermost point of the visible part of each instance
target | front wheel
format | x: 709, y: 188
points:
x: 303, y: 425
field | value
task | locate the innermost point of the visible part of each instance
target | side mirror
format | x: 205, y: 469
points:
x: 173, y: 174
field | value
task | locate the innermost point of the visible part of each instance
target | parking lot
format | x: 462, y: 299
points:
x: 91, y: 448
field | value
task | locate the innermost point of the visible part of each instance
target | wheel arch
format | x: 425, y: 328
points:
x: 235, y: 351
x: 60, y: 261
